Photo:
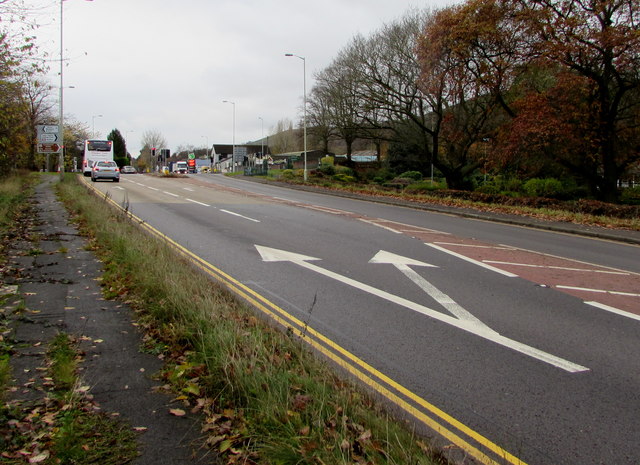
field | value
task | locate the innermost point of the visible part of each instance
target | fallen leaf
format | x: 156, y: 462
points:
x: 40, y: 457
x: 178, y: 412
x: 140, y: 428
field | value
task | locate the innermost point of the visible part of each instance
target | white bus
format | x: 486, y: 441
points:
x: 96, y: 150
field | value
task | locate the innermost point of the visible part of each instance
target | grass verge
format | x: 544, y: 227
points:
x: 264, y: 396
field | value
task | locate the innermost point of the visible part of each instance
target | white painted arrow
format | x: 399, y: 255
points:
x: 403, y: 264
x: 276, y: 255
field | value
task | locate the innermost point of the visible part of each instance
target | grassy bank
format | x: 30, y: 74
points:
x: 263, y: 396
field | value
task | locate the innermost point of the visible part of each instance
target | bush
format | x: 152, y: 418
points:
x: 630, y: 196
x: 415, y: 175
x: 424, y: 186
x: 341, y: 177
x: 287, y: 174
x: 327, y: 169
x: 549, y: 187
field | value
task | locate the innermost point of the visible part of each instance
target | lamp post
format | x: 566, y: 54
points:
x: 304, y: 103
x: 233, y: 156
x: 60, y: 116
x: 126, y: 133
x: 93, y: 124
x: 261, y: 137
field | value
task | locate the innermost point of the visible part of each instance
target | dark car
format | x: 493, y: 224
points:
x: 105, y: 170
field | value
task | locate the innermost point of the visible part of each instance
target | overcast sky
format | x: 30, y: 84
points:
x: 168, y: 65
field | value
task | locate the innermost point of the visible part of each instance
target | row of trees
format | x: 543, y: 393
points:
x: 526, y: 88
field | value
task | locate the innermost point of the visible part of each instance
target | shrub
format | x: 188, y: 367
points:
x: 287, y: 174
x: 424, y: 186
x: 341, y: 177
x: 549, y: 187
x: 630, y: 196
x: 327, y: 169
x: 415, y: 175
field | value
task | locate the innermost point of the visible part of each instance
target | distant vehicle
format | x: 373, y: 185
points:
x: 96, y: 150
x: 105, y: 170
x: 180, y: 167
x: 128, y: 170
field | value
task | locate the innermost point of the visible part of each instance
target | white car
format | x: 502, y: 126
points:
x: 105, y: 170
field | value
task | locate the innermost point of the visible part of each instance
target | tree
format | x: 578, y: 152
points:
x: 598, y: 40
x: 151, y: 139
x: 284, y: 138
x: 119, y: 148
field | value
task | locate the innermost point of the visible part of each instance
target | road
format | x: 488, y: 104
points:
x: 517, y: 345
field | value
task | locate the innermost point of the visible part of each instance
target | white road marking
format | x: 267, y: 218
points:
x: 199, y: 203
x: 171, y: 194
x: 275, y: 255
x: 241, y: 216
x: 476, y: 246
x: 495, y: 262
x: 152, y: 188
x: 471, y: 260
x: 599, y: 291
x: 120, y: 188
x: 617, y: 311
x: 403, y: 263
x: 333, y: 211
x: 395, y: 231
x: 188, y: 189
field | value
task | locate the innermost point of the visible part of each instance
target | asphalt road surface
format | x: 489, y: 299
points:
x: 516, y: 345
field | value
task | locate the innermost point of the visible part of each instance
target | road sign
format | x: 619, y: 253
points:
x: 48, y: 138
x: 48, y: 148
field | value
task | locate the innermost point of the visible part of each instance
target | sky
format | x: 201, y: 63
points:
x: 167, y: 66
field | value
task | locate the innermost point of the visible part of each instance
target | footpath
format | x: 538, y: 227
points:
x: 54, y: 283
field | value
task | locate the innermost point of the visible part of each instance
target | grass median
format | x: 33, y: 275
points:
x: 263, y: 396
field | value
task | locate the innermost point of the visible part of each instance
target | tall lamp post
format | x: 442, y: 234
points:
x: 126, y: 134
x: 233, y: 156
x: 60, y: 117
x: 261, y: 137
x: 304, y: 103
x: 93, y: 124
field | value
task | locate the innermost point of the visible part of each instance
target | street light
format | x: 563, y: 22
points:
x: 233, y: 156
x: 126, y: 133
x: 261, y: 137
x: 93, y: 124
x: 60, y: 117
x: 304, y: 118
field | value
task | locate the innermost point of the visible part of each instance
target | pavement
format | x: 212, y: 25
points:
x: 56, y: 279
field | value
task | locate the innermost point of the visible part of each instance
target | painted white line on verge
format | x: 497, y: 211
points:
x: 199, y: 203
x: 241, y: 216
x: 475, y: 262
x: 599, y: 291
x: 617, y: 311
x: 495, y: 262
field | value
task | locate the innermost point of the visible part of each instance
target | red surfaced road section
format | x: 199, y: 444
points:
x: 592, y: 283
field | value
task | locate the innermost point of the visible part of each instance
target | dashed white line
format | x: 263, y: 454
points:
x: 199, y: 203
x: 493, y: 247
x: 170, y: 193
x: 241, y: 216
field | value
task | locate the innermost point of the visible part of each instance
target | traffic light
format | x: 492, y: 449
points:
x: 153, y: 152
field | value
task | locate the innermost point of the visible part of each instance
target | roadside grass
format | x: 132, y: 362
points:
x: 264, y: 396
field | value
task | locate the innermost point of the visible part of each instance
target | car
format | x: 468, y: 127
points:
x: 105, y: 170
x: 128, y: 170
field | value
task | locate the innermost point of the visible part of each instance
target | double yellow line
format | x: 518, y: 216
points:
x: 425, y: 412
